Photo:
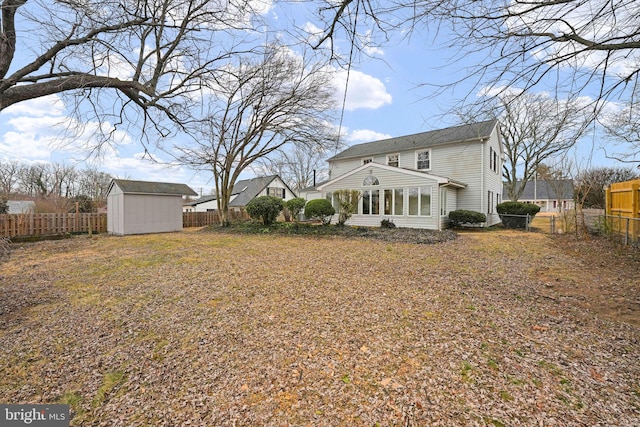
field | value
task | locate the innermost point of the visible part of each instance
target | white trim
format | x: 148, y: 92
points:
x: 428, y: 150
x: 393, y: 154
x: 410, y: 172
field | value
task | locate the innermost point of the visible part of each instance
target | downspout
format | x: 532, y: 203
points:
x: 438, y: 216
x: 483, y: 199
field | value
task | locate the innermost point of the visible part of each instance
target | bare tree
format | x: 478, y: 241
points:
x: 257, y: 107
x: 93, y: 183
x: 591, y: 183
x: 299, y: 165
x: 62, y: 179
x: 131, y: 62
x: 9, y: 175
x: 622, y: 129
x: 534, y: 130
x: 34, y: 180
x: 575, y: 46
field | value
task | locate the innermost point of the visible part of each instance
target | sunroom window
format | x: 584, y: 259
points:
x: 370, y: 180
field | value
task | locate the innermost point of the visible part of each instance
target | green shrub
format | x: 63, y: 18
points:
x: 506, y: 209
x: 319, y: 209
x: 387, y: 223
x: 266, y: 208
x: 295, y: 206
x: 517, y: 208
x: 461, y: 216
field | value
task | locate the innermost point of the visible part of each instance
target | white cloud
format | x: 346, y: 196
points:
x: 368, y: 47
x: 50, y: 105
x: 366, y: 135
x: 364, y: 91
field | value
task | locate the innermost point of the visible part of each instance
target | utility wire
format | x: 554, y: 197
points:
x: 346, y: 85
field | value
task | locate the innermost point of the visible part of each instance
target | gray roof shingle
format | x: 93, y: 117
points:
x: 560, y: 189
x: 149, y: 187
x: 432, y: 138
x: 248, y: 189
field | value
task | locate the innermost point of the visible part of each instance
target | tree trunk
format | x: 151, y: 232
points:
x: 223, y: 208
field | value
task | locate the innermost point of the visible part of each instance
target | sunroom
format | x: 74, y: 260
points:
x: 408, y: 198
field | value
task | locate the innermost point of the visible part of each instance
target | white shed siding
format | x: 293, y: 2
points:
x: 151, y: 213
x: 115, y: 216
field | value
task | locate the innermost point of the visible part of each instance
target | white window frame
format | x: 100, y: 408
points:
x: 367, y: 160
x: 427, y: 191
x: 417, y: 159
x: 397, y: 159
x: 443, y: 202
x: 393, y: 201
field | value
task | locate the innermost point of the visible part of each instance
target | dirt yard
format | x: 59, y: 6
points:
x: 493, y: 328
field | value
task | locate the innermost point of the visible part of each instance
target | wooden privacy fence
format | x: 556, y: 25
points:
x: 45, y: 224
x: 48, y: 224
x: 623, y: 207
x: 201, y: 219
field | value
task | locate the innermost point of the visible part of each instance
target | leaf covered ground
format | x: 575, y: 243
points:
x: 494, y: 328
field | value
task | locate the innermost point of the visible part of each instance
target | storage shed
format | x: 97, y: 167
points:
x: 140, y: 207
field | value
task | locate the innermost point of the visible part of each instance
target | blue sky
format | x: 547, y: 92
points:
x: 384, y: 100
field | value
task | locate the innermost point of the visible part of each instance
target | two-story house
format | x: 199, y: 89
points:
x: 416, y: 180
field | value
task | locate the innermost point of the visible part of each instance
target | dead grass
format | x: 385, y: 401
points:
x: 494, y: 328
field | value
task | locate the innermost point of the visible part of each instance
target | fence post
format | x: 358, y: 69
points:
x: 626, y: 233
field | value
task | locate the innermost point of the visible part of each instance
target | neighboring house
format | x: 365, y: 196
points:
x: 310, y: 193
x: 416, y: 180
x: 551, y: 195
x: 140, y: 207
x: 243, y: 192
x: 21, y: 207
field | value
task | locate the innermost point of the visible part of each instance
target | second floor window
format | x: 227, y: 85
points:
x: 392, y: 160
x: 275, y: 192
x: 423, y: 159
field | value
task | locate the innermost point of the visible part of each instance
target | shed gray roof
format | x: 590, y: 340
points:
x: 560, y: 189
x: 149, y: 187
x: 432, y: 138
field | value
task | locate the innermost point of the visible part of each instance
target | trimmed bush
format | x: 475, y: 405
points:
x: 266, y: 208
x: 517, y: 208
x: 461, y: 216
x: 295, y: 206
x: 506, y: 209
x: 319, y: 209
